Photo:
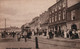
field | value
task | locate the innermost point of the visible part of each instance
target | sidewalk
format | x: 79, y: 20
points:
x: 59, y: 43
x: 61, y: 39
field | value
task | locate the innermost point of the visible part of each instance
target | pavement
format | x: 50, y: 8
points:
x: 60, y: 38
x: 43, y: 42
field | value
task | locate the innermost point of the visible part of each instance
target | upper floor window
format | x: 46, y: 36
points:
x: 50, y: 12
x: 56, y: 17
x: 53, y: 19
x: 59, y: 6
x: 55, y: 8
x: 64, y: 3
x: 59, y: 15
x: 64, y: 14
x: 50, y: 20
x: 73, y: 15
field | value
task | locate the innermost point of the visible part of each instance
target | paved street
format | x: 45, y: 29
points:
x: 43, y: 43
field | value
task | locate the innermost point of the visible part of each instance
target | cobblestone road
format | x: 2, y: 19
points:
x: 43, y: 43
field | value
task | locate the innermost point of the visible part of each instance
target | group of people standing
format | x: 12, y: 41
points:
x: 72, y: 34
x: 5, y: 34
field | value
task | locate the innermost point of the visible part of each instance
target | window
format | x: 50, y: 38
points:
x: 73, y: 15
x: 55, y: 8
x: 64, y: 14
x: 52, y: 19
x: 59, y: 6
x: 56, y: 17
x: 64, y: 3
x: 59, y: 15
x: 50, y: 12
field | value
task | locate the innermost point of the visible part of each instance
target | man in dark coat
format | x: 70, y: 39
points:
x: 70, y: 33
x: 50, y: 34
x: 45, y: 33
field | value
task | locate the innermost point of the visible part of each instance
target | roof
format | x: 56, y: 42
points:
x: 76, y: 6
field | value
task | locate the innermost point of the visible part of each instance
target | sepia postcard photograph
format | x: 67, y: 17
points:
x: 39, y: 24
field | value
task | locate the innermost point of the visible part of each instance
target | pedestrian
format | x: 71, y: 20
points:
x: 25, y: 35
x: 75, y: 34
x: 19, y: 36
x: 2, y: 35
x: 40, y: 33
x: 29, y: 35
x: 13, y: 34
x: 50, y: 34
x: 55, y: 32
x: 62, y: 33
x: 34, y: 33
x: 70, y: 34
x: 78, y: 31
x: 45, y: 33
x: 65, y: 34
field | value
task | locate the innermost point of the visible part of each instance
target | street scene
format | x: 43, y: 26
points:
x: 39, y: 24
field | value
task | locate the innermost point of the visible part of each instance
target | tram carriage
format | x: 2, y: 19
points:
x: 23, y: 29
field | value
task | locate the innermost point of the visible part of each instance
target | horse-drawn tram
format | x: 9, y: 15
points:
x: 25, y: 33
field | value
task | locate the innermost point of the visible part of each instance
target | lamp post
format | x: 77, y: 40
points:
x: 36, y: 38
x: 36, y: 42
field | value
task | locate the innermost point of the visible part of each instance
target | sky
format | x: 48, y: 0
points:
x: 19, y: 12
